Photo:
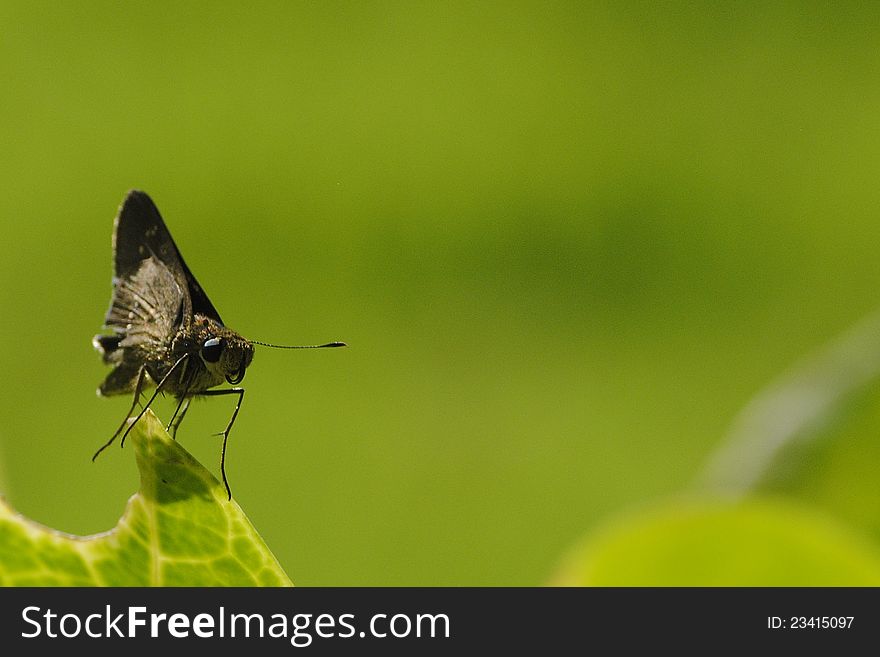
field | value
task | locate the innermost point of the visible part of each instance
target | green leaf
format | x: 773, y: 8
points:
x: 812, y: 434
x: 759, y: 542
x: 178, y: 530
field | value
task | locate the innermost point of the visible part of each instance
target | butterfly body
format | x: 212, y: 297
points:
x: 159, y: 313
x: 166, y: 333
x: 195, y: 374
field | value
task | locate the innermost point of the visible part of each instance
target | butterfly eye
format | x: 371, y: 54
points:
x: 212, y: 349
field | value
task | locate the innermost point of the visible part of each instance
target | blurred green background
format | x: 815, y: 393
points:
x: 566, y: 242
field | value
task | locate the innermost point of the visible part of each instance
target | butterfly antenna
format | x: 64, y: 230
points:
x: 308, y: 346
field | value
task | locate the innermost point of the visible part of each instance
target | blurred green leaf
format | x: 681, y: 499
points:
x: 836, y: 471
x: 178, y: 530
x: 813, y: 434
x: 759, y: 542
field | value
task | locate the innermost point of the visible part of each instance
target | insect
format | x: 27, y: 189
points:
x: 165, y: 331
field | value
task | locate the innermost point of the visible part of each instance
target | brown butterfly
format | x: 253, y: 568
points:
x: 166, y: 332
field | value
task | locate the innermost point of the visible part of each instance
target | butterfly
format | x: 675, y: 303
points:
x: 166, y: 333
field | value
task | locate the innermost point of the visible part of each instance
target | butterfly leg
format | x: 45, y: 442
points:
x: 225, y: 432
x: 177, y: 418
x: 155, y: 394
x: 137, y: 396
x: 182, y: 403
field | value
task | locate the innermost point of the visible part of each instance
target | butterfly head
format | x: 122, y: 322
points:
x: 226, y: 355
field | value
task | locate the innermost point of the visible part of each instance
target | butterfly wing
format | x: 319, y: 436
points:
x: 154, y: 294
x: 139, y: 234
